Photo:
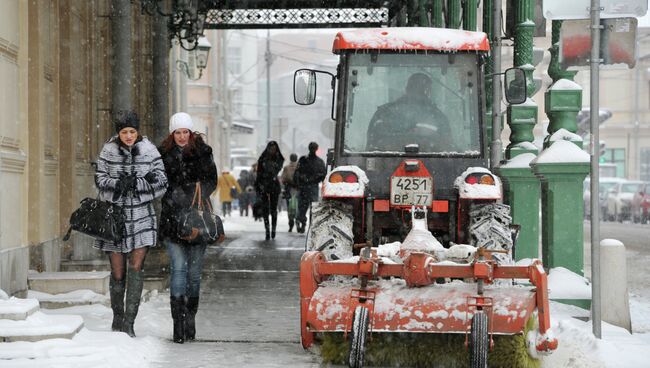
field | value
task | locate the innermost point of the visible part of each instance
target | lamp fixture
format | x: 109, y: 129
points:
x: 186, y: 20
x: 197, y: 60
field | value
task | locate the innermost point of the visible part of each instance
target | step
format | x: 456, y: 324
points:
x: 159, y: 283
x: 16, y: 309
x: 71, y: 299
x: 40, y: 326
x: 85, y: 265
x: 64, y: 282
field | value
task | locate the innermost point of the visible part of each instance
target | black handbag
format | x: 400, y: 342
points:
x: 99, y: 219
x: 198, y: 224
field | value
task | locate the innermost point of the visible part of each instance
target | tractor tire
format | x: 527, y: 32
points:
x: 490, y: 229
x: 479, y: 341
x: 358, y: 336
x: 330, y: 230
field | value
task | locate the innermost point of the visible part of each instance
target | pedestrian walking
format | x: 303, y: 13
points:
x: 309, y: 173
x: 188, y: 160
x: 247, y: 185
x: 290, y: 191
x: 228, y: 189
x: 267, y: 185
x: 129, y: 174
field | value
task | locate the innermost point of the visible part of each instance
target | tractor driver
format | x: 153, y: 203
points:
x: 411, y: 119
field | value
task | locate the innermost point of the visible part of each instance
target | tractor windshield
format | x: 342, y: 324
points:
x: 395, y: 100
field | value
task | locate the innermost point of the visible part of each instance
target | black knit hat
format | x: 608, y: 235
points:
x: 126, y: 119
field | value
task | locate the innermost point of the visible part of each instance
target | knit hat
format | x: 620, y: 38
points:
x: 180, y: 120
x: 126, y: 119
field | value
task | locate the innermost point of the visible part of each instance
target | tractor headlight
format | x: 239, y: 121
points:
x: 343, y: 177
x: 480, y: 178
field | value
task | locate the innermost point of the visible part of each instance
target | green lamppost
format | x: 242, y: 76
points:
x: 521, y: 186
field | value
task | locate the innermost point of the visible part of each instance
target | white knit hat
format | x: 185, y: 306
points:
x: 180, y: 120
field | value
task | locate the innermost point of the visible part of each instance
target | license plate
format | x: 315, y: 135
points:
x: 411, y: 191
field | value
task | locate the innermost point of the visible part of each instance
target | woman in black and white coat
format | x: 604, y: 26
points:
x: 131, y: 174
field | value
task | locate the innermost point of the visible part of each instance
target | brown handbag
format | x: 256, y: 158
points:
x: 198, y: 224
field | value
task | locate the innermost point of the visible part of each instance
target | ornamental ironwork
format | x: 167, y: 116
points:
x: 296, y: 18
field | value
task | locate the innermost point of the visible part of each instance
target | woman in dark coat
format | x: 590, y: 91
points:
x: 188, y: 160
x: 267, y: 185
x: 131, y: 175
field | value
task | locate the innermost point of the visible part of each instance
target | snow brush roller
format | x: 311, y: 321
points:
x: 391, y: 313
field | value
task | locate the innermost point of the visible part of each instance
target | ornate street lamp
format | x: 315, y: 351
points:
x: 200, y: 55
x: 186, y: 20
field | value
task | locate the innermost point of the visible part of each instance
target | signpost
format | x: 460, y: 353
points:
x: 594, y: 10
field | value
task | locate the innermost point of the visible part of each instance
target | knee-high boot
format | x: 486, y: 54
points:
x: 179, y: 314
x: 266, y: 226
x: 190, y: 326
x: 117, y: 302
x: 274, y: 223
x: 135, y: 280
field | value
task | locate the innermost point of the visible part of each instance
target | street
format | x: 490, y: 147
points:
x: 249, y: 312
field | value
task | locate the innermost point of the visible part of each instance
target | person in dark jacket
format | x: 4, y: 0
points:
x: 247, y: 185
x: 188, y: 160
x: 290, y: 190
x: 309, y: 172
x: 267, y: 185
x: 131, y: 175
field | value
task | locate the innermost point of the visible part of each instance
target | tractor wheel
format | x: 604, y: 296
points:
x: 358, y: 336
x: 479, y: 341
x: 489, y: 228
x: 330, y: 230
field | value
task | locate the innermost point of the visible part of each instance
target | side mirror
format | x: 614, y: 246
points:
x: 515, y: 86
x: 304, y: 86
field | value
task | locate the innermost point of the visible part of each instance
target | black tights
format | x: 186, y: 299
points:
x: 118, y: 262
x: 269, y: 205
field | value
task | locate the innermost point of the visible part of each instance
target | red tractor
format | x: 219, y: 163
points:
x: 408, y: 196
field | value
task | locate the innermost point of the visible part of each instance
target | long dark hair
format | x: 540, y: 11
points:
x: 196, y: 139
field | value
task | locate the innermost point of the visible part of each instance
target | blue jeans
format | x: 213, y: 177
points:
x: 186, y: 262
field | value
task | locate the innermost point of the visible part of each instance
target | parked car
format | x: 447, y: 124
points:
x: 641, y: 204
x: 619, y: 201
x: 604, y: 184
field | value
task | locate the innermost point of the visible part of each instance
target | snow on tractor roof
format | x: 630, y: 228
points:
x: 410, y: 38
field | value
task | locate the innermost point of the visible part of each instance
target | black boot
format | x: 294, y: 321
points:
x: 117, y: 302
x: 190, y: 327
x: 274, y: 224
x: 266, y: 227
x: 178, y: 315
x: 134, y: 281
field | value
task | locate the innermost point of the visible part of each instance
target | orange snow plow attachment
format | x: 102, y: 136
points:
x: 413, y: 302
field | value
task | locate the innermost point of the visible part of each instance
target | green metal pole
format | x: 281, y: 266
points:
x: 522, y: 118
x: 470, y: 11
x: 489, y: 69
x: 453, y: 14
x: 423, y: 12
x: 437, y: 14
x: 521, y: 186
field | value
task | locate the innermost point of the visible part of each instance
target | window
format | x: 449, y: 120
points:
x: 644, y: 164
x: 616, y: 156
x: 396, y: 100
x: 236, y: 100
x: 234, y: 59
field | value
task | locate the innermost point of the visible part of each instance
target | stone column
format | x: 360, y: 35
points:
x: 562, y: 168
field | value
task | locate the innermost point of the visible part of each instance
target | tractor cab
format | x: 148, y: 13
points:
x: 409, y: 115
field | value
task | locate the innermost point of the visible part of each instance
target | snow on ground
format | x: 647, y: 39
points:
x: 96, y: 346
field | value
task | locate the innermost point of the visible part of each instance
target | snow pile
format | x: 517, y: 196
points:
x: 565, y: 284
x: 519, y: 162
x: 562, y: 152
x: 565, y: 84
x: 345, y: 190
x: 565, y: 135
x: 460, y: 253
x: 73, y: 297
x: 477, y: 191
x: 390, y: 251
x: 411, y: 38
x: 420, y: 239
x: 3, y: 295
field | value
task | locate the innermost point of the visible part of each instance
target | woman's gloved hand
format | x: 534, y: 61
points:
x: 125, y: 184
